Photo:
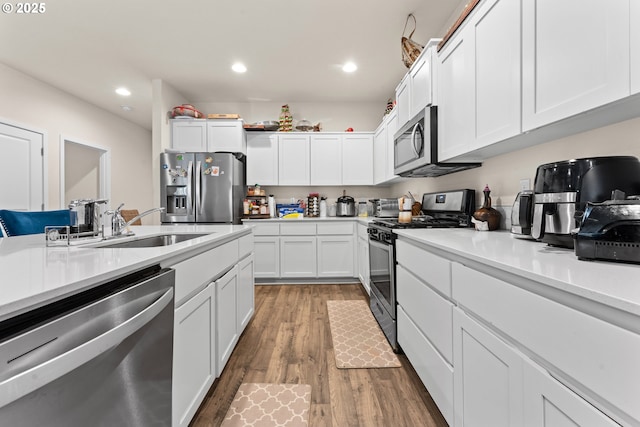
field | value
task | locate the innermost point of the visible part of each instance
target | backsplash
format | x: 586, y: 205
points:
x: 359, y: 193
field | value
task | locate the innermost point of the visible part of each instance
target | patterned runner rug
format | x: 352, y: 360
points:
x: 266, y: 405
x: 358, y: 341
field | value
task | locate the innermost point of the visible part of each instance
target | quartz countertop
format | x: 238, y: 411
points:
x: 34, y: 275
x: 611, y: 283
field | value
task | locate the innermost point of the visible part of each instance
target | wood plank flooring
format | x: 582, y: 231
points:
x: 289, y: 341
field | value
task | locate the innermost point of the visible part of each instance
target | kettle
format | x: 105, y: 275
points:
x: 346, y: 205
x: 522, y: 214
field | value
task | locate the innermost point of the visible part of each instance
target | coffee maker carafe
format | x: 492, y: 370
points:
x: 562, y: 190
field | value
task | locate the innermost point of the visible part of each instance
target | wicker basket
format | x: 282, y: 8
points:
x: 410, y: 49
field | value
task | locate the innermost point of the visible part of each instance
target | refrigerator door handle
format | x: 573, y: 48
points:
x: 198, y: 181
x: 190, y: 199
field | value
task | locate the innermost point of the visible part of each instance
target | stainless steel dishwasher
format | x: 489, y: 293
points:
x: 99, y: 358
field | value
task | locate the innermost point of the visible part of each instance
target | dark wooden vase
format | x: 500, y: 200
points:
x: 488, y: 214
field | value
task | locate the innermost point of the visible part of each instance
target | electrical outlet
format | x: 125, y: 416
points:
x: 525, y: 184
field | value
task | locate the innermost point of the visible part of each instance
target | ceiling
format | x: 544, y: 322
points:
x: 293, y: 49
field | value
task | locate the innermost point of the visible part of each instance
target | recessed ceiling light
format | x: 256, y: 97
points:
x: 123, y: 91
x: 238, y: 67
x: 349, y: 67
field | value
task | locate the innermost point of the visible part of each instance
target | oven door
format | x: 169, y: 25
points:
x: 382, y: 274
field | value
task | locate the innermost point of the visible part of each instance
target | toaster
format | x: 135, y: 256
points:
x: 385, y: 208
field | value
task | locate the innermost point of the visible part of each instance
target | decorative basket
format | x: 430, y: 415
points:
x: 410, y: 49
x: 187, y: 110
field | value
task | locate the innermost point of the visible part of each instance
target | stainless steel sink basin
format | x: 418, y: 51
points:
x: 152, y: 241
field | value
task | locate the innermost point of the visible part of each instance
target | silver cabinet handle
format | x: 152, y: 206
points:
x: 25, y: 382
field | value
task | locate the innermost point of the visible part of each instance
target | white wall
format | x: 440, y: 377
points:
x: 82, y: 177
x: 31, y: 103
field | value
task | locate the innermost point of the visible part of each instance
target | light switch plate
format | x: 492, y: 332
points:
x: 525, y: 184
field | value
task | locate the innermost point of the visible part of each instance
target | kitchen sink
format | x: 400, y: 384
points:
x: 151, y: 241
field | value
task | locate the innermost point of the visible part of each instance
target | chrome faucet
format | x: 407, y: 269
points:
x: 118, y: 224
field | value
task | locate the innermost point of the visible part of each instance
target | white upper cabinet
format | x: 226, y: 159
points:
x: 635, y: 46
x: 495, y: 35
x: 421, y: 79
x: 202, y: 135
x: 455, y: 96
x: 575, y: 57
x: 226, y: 135
x: 262, y: 159
x: 383, y: 148
x: 294, y: 159
x: 357, y: 159
x: 326, y: 159
x: 403, y: 100
x: 189, y: 134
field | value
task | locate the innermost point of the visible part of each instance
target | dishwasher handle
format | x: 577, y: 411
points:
x: 25, y: 382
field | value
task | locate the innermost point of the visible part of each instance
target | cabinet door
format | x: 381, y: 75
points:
x: 548, y: 403
x: 262, y: 159
x: 226, y: 316
x: 495, y: 35
x: 298, y: 256
x: 635, y: 46
x: 293, y: 160
x: 226, y: 135
x: 455, y: 97
x: 335, y: 256
x: 420, y: 75
x: 380, y: 154
x: 575, y: 57
x: 363, y: 263
x: 487, y: 377
x: 194, y: 354
x: 403, y: 101
x: 392, y: 128
x: 357, y: 159
x: 266, y: 250
x: 326, y: 159
x: 189, y: 135
x: 245, y: 292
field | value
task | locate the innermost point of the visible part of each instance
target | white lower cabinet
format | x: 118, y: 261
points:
x: 245, y: 292
x: 363, y: 257
x: 194, y: 354
x: 548, y: 403
x: 267, y: 260
x: 487, y: 377
x: 436, y: 374
x: 335, y: 256
x: 226, y: 317
x: 298, y: 256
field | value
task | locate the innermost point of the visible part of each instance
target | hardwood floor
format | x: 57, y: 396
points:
x: 289, y: 341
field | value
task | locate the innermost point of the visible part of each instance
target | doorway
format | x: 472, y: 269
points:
x: 23, y: 170
x: 85, y: 171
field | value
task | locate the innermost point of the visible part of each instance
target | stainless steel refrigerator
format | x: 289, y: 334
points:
x: 202, y: 187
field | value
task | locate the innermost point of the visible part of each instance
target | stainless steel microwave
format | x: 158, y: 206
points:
x: 415, y: 151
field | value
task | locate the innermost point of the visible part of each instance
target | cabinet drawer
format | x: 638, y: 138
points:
x: 299, y: 229
x: 193, y: 273
x: 436, y: 374
x: 245, y: 245
x: 430, y: 312
x: 266, y: 229
x: 430, y: 268
x: 602, y: 357
x: 336, y: 228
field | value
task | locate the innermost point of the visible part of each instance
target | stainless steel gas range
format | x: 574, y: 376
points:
x: 450, y: 209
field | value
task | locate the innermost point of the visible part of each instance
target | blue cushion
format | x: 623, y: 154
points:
x: 17, y: 223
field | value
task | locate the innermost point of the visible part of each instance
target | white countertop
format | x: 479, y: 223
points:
x: 610, y: 283
x: 33, y: 275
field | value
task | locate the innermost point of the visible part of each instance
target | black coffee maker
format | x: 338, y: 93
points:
x: 562, y: 190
